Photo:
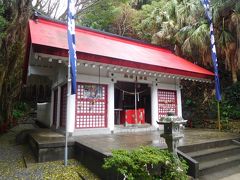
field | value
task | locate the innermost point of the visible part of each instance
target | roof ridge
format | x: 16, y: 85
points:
x: 105, y: 34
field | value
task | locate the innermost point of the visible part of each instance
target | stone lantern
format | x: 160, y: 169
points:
x: 173, y: 131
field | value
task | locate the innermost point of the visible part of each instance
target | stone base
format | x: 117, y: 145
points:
x: 51, y: 149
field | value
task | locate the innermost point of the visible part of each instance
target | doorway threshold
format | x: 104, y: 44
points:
x: 132, y: 128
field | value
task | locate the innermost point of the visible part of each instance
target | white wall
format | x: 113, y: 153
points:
x: 111, y: 106
x: 43, y: 113
x: 52, y: 106
x: 179, y: 102
x: 154, y: 104
x: 109, y: 79
x: 58, y: 107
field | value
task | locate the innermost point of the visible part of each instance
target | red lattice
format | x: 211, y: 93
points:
x: 167, y: 102
x: 91, y: 106
x: 63, y: 112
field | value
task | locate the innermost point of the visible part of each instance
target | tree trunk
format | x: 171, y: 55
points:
x: 234, y: 76
x: 12, y: 52
x: 234, y: 71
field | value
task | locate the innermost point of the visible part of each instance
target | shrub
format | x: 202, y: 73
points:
x: 231, y: 102
x: 147, y: 163
x: 19, y: 110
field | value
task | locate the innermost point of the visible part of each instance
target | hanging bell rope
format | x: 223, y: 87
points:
x: 130, y: 93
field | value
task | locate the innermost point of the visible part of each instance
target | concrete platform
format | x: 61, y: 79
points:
x: 48, y: 145
x: 106, y: 143
x: 46, y: 138
x: 92, y: 149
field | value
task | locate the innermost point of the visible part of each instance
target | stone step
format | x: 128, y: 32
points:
x: 204, y: 146
x: 228, y: 174
x: 219, y: 164
x: 214, y: 153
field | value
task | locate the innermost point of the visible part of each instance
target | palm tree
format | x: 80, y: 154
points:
x: 190, y: 30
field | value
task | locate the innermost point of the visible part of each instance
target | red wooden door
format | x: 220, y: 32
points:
x: 63, y: 109
x: 91, y: 106
x: 55, y: 101
x: 167, y: 102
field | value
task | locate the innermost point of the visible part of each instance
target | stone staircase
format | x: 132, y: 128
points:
x: 215, y: 158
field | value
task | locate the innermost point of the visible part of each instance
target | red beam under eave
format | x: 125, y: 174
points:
x: 117, y: 62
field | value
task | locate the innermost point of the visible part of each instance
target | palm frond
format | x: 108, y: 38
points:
x: 187, y: 47
x: 200, y: 37
x: 183, y: 33
x: 225, y: 38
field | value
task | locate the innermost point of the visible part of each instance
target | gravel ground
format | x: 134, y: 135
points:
x: 12, y: 164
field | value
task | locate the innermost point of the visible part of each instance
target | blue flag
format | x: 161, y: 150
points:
x: 72, y: 43
x: 206, y: 4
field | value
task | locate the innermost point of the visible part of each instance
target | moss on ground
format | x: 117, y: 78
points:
x: 231, y: 126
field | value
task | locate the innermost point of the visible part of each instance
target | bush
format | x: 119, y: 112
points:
x: 19, y: 110
x: 147, y: 163
x: 199, y: 103
x: 231, y: 102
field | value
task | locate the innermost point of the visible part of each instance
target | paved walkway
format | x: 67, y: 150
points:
x: 106, y: 143
x: 232, y: 177
x: 227, y: 174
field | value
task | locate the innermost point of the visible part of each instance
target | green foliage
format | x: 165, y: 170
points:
x: 198, y: 102
x: 12, y: 45
x: 101, y: 15
x: 17, y: 114
x: 19, y: 110
x: 177, y: 24
x: 3, y: 23
x: 230, y: 106
x: 203, y: 107
x: 147, y: 163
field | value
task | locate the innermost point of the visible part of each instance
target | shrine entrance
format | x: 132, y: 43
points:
x: 132, y: 103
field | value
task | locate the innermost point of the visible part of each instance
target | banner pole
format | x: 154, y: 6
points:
x: 219, y: 118
x: 66, y: 149
x: 67, y: 115
x: 71, y: 79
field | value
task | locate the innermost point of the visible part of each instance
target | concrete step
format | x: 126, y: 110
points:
x: 214, y: 153
x: 218, y: 164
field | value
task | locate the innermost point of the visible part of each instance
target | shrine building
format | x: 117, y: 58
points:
x: 121, y: 82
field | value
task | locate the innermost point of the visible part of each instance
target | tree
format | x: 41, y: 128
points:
x: 181, y: 25
x: 58, y: 9
x: 124, y: 21
x: 100, y: 16
x: 14, y: 14
x: 112, y: 16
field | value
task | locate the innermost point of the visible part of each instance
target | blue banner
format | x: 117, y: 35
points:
x: 206, y: 4
x: 72, y: 43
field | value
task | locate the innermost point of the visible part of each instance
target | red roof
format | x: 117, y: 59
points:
x: 50, y: 37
